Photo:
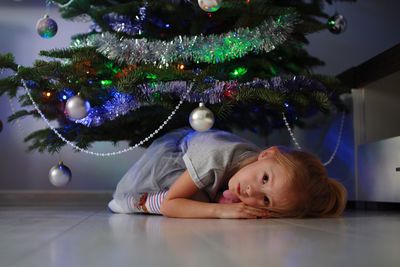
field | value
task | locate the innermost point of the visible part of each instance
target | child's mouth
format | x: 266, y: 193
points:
x: 238, y: 189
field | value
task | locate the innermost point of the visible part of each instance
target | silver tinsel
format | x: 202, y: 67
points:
x: 123, y: 23
x: 118, y: 105
x: 211, y: 95
x: 121, y: 103
x: 208, y: 49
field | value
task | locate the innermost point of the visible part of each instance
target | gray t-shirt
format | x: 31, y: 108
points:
x: 211, y: 156
x: 208, y: 156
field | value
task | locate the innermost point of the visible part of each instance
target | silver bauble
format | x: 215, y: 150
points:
x: 210, y: 5
x: 201, y: 118
x: 337, y: 23
x: 77, y: 108
x: 60, y: 175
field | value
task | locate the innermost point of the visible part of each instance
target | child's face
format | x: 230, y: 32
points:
x: 263, y: 183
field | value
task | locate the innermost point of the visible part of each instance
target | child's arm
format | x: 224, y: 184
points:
x: 177, y: 203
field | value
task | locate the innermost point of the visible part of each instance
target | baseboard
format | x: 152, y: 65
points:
x: 88, y: 198
x: 25, y: 197
x: 368, y: 205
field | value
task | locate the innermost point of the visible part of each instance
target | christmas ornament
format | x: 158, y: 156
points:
x: 337, y: 23
x: 210, y: 5
x: 1, y: 126
x: 77, y: 108
x: 46, y: 27
x: 60, y: 175
x: 201, y: 119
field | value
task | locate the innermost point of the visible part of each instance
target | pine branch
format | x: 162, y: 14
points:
x: 87, y: 71
x: 83, y: 52
x: 20, y: 114
x: 9, y: 85
x: 7, y: 62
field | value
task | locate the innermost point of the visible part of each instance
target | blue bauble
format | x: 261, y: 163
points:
x: 46, y: 27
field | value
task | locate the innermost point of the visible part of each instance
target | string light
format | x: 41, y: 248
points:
x: 47, y: 94
x: 181, y: 67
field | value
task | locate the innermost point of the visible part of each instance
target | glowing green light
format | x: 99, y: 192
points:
x: 156, y: 96
x: 239, y: 72
x: 106, y: 82
x: 279, y: 20
x: 273, y: 70
x: 110, y: 66
x: 331, y: 22
x: 151, y: 76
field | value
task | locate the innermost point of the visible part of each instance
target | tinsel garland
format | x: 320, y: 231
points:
x: 121, y: 103
x: 207, y: 49
x: 123, y: 23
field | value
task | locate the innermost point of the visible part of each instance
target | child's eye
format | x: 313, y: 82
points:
x: 265, y: 179
x: 266, y: 200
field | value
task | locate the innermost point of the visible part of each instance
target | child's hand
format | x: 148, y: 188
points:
x: 241, y: 211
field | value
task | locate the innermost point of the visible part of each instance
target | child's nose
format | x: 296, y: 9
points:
x: 252, y: 191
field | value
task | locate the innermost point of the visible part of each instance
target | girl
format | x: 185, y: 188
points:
x: 216, y: 174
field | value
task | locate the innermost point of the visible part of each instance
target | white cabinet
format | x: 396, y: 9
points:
x: 379, y: 171
x: 377, y: 140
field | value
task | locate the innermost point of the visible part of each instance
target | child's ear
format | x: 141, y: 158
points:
x: 268, y: 152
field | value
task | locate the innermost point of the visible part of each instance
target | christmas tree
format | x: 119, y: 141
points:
x: 147, y: 67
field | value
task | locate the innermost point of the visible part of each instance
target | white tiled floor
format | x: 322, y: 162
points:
x: 91, y: 236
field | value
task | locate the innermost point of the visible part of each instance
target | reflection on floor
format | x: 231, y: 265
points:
x: 91, y: 236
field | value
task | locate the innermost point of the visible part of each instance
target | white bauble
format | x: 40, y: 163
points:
x: 60, y: 175
x: 201, y: 118
x: 77, y: 108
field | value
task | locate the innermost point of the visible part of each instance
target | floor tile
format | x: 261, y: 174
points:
x: 79, y: 236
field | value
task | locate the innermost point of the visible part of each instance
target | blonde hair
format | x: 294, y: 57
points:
x: 317, y: 195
